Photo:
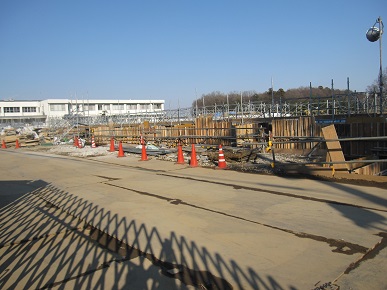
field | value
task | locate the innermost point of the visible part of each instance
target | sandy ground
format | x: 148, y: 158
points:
x: 253, y: 231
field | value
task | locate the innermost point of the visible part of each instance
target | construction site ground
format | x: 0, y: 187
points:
x: 83, y: 218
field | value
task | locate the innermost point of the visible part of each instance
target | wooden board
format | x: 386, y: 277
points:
x: 334, y: 148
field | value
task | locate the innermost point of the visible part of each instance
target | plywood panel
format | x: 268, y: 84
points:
x: 334, y: 148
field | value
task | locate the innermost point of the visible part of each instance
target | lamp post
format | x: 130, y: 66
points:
x: 373, y: 34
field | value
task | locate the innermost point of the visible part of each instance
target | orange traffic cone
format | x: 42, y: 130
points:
x: 3, y: 146
x: 93, y: 142
x: 112, y: 145
x: 144, y: 156
x: 76, y: 141
x: 222, y: 162
x: 180, y: 157
x: 193, y: 162
x: 120, y: 150
x: 17, y: 145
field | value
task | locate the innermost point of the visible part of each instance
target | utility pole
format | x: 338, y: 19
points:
x: 310, y: 98
x: 272, y: 98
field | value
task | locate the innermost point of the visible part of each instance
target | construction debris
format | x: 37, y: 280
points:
x: 25, y: 136
x: 302, y: 134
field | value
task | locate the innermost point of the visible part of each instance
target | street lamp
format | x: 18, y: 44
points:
x: 373, y: 34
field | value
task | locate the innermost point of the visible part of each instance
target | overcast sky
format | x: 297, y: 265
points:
x: 177, y: 50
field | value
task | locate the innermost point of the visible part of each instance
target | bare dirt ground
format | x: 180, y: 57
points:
x: 282, y: 215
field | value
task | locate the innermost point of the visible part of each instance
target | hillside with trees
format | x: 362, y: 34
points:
x: 280, y: 96
x: 291, y: 95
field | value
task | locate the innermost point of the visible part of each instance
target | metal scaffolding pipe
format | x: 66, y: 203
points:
x: 338, y: 162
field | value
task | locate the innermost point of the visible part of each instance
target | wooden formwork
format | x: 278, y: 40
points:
x: 371, y: 169
x: 209, y: 131
x: 250, y: 133
x: 296, y: 127
x: 205, y: 129
x: 213, y: 131
x: 365, y: 127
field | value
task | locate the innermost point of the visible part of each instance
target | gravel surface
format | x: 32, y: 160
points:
x: 260, y: 163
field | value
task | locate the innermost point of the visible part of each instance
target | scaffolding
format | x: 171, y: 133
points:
x: 335, y: 105
x: 333, y: 108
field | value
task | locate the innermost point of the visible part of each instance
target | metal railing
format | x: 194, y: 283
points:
x: 332, y: 108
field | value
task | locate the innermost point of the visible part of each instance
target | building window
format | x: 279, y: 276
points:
x: 11, y: 109
x: 29, y: 109
x: 131, y: 106
x: 103, y: 107
x: 90, y: 107
x: 118, y: 107
x: 157, y: 106
x: 57, y: 107
x: 144, y: 106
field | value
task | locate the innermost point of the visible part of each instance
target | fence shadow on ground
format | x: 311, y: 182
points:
x: 51, y: 238
x: 367, y: 208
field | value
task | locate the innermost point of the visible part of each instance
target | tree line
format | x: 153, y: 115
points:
x: 289, y: 96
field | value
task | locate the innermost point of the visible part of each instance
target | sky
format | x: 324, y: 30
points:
x: 178, y: 50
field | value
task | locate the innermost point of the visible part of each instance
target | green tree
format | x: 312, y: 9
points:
x: 281, y: 92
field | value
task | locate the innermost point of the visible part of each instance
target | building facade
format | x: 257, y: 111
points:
x: 40, y: 111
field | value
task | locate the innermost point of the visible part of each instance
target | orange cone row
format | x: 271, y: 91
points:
x: 194, y: 162
x: 144, y: 157
x: 4, y: 146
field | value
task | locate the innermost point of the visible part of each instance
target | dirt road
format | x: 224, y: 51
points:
x: 107, y: 222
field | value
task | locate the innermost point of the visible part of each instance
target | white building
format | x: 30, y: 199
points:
x: 39, y: 111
